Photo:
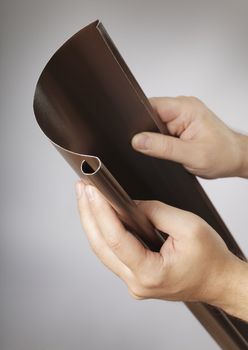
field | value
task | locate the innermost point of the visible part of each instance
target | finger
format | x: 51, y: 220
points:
x: 93, y: 233
x: 124, y: 245
x: 168, y: 108
x: 163, y: 146
x: 176, y: 222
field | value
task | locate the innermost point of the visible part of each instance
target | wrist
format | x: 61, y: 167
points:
x: 242, y: 170
x: 232, y: 289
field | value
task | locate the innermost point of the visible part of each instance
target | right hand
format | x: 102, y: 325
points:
x: 198, y: 139
x: 170, y: 274
x: 193, y: 264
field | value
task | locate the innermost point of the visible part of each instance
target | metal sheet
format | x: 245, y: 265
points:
x: 90, y: 106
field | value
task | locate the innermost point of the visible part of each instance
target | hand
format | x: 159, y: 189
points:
x: 200, y: 141
x: 192, y: 265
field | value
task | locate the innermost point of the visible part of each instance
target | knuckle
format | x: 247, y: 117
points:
x: 154, y: 208
x: 195, y: 227
x: 80, y: 208
x: 149, y: 282
x: 97, y: 249
x: 181, y: 97
x: 203, y: 159
x: 191, y: 101
x: 135, y: 296
x: 149, y: 206
x: 195, y: 100
x: 152, y: 99
x: 95, y: 243
x: 137, y: 293
x: 113, y: 242
x: 155, y: 204
x: 202, y: 162
x: 166, y: 146
x: 198, y: 107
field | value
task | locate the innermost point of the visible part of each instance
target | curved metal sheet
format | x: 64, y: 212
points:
x: 89, y: 105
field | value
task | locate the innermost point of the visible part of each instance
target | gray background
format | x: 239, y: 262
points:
x: 54, y: 293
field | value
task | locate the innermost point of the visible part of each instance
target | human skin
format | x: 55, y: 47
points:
x: 204, y: 145
x: 194, y: 264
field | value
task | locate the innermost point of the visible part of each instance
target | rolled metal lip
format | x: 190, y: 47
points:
x: 89, y: 105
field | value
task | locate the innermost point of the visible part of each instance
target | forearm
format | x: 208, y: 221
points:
x: 243, y: 146
x: 234, y: 296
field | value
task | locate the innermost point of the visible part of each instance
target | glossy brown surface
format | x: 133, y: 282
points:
x: 89, y: 105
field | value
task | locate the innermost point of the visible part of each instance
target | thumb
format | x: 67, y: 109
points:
x: 163, y: 146
x: 176, y: 222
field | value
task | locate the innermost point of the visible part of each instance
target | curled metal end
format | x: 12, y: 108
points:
x: 89, y: 169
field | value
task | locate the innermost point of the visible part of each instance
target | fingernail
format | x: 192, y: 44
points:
x: 90, y: 192
x: 141, y: 141
x: 78, y: 189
